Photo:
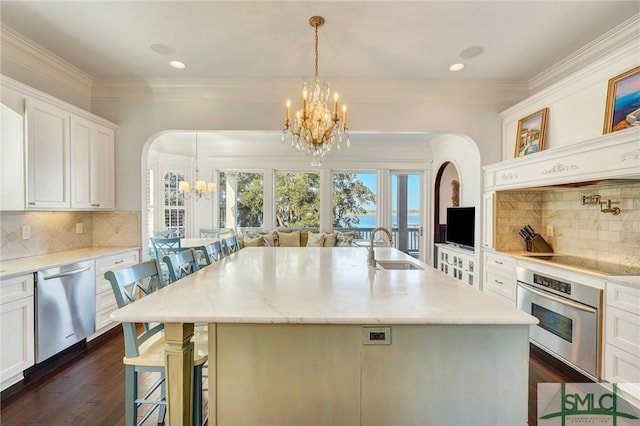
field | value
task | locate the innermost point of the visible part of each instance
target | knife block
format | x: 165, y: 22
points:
x: 537, y: 244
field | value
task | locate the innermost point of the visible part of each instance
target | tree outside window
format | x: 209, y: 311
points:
x: 354, y: 200
x: 241, y: 199
x: 297, y: 200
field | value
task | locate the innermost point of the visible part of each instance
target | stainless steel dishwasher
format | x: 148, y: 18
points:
x: 65, y: 307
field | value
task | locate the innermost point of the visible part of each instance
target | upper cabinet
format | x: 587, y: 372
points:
x: 92, y: 168
x: 62, y: 158
x: 48, y: 149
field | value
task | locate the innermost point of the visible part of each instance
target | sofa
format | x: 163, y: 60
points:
x: 295, y: 238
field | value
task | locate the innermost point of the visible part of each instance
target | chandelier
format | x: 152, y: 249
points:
x: 315, y: 129
x: 200, y: 189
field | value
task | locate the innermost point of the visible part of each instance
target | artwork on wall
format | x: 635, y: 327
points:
x: 531, y: 132
x: 623, y: 102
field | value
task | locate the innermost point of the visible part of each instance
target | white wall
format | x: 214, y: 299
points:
x: 576, y: 104
x: 140, y: 121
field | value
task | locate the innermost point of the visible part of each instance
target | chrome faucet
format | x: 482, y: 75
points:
x: 371, y: 260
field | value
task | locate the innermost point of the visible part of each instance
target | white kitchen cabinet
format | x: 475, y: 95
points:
x: 16, y: 328
x: 11, y: 151
x: 105, y: 300
x: 55, y: 156
x: 92, y: 165
x: 48, y: 171
x: 622, y: 336
x: 458, y: 263
x: 499, y: 276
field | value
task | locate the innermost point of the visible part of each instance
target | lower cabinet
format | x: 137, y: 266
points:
x: 17, y: 328
x: 105, y: 300
x: 622, y: 337
x: 499, y: 277
x: 457, y: 262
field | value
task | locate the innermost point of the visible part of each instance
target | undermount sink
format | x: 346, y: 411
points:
x: 397, y: 264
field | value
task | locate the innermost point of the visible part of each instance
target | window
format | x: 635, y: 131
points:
x: 354, y: 201
x: 297, y: 202
x: 241, y: 199
x: 174, y: 206
x: 150, y: 202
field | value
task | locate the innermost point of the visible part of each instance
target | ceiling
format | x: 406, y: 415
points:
x: 361, y: 40
x: 389, y: 40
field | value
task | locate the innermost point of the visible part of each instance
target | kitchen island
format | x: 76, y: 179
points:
x: 316, y: 335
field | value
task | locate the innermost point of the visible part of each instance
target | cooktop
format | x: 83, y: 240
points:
x: 600, y: 266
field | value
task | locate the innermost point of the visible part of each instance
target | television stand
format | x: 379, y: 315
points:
x: 457, y: 262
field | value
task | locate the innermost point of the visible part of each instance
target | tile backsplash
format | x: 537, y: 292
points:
x: 56, y: 231
x: 581, y: 230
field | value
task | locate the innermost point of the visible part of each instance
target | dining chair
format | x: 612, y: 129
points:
x: 209, y: 233
x: 144, y: 347
x: 167, y: 233
x: 212, y: 252
x: 181, y: 264
x: 230, y: 245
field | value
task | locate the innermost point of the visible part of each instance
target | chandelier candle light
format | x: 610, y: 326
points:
x: 315, y: 129
x: 201, y: 189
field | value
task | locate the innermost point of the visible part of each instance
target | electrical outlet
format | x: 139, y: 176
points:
x: 78, y: 228
x: 376, y: 335
x: 26, y: 232
x: 549, y: 231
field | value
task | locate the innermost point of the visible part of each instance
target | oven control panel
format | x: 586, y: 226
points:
x: 552, y: 283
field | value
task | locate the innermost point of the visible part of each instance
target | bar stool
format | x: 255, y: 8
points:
x: 181, y: 264
x: 212, y: 252
x: 230, y: 245
x: 145, y: 346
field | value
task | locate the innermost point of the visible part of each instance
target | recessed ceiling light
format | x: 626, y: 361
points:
x: 456, y: 67
x: 162, y: 49
x: 178, y: 65
x: 471, y: 52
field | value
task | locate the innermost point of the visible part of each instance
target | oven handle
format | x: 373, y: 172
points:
x: 562, y: 301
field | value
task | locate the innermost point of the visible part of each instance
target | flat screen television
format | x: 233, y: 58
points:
x: 461, y: 226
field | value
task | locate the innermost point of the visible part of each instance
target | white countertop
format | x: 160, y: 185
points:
x: 31, y: 264
x: 310, y: 285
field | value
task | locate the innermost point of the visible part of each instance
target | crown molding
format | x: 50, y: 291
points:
x: 27, y: 55
x: 270, y: 90
x: 625, y: 34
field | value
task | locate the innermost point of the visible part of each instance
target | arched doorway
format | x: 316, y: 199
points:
x: 446, y: 194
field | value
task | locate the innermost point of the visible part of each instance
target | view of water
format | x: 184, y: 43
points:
x: 370, y: 221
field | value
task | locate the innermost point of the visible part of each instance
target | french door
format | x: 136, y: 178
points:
x: 406, y: 212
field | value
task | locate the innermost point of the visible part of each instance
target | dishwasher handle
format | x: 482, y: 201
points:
x: 66, y: 273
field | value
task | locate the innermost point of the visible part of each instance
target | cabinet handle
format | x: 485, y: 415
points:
x: 31, y: 203
x: 498, y: 262
x: 498, y: 282
x: 95, y: 205
x: 118, y: 261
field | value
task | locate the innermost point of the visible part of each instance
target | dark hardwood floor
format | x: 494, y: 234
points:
x: 87, y: 387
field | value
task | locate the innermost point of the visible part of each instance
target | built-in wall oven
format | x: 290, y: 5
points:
x: 570, y: 315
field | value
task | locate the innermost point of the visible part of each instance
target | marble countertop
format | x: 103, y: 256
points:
x: 26, y: 265
x: 310, y: 285
x: 594, y: 267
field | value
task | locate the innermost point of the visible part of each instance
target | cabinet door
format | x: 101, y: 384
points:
x: 11, y: 153
x: 16, y: 332
x: 48, y: 171
x: 92, y: 170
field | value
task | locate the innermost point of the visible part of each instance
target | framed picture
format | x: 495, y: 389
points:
x: 623, y: 102
x: 531, y: 130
